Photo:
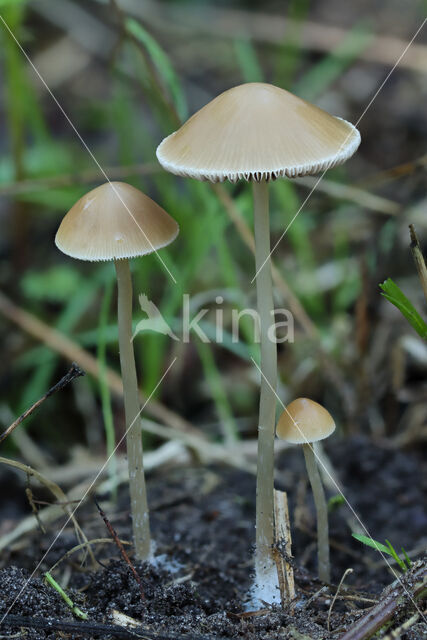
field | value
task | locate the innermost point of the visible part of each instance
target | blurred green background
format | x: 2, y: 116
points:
x: 115, y: 78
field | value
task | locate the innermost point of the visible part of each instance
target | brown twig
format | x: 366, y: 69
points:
x: 419, y: 259
x: 409, y: 588
x: 33, y: 505
x: 363, y: 198
x: 282, y: 550
x: 73, y: 373
x: 398, y: 171
x: 121, y: 548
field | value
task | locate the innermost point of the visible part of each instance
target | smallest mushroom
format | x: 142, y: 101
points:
x: 303, y: 422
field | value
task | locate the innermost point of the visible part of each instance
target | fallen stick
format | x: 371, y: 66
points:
x: 403, y: 592
x: 283, y: 548
x: 73, y: 373
x: 94, y: 628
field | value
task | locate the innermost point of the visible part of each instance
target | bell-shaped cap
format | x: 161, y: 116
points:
x: 304, y: 421
x: 114, y: 221
x: 257, y: 132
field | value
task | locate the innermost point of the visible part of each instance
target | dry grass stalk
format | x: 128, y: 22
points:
x: 57, y: 492
x: 419, y: 259
x: 63, y: 345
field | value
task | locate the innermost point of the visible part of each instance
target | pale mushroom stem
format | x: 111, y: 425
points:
x: 138, y: 494
x: 324, y: 569
x: 264, y: 561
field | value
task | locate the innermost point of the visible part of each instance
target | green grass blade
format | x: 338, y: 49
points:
x: 335, y: 502
x: 77, y: 612
x: 325, y: 73
x: 247, y: 60
x: 393, y: 294
x: 393, y: 553
x: 407, y: 558
x: 162, y: 64
x: 291, y: 54
x: 4, y: 4
x: 369, y: 542
x: 44, y: 368
x: 216, y: 386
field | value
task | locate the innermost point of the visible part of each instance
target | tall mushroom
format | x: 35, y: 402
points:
x: 258, y: 132
x: 116, y: 222
x: 304, y: 422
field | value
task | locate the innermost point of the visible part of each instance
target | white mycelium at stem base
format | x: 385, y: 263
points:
x: 137, y: 489
x: 265, y: 568
x: 116, y: 222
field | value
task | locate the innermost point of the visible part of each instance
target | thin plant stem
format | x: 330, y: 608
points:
x: 419, y: 259
x: 74, y: 608
x: 264, y: 559
x: 324, y: 568
x: 138, y: 494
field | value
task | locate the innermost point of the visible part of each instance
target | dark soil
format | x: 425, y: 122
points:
x: 203, y: 524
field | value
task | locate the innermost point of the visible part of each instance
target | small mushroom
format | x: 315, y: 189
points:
x: 258, y: 132
x: 304, y: 422
x: 116, y: 222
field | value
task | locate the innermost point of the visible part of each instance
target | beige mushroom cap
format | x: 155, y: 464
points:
x: 114, y: 221
x: 257, y: 132
x: 304, y: 421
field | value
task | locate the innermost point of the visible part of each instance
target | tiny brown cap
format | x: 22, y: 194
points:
x: 304, y: 421
x: 114, y: 221
x: 257, y: 131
